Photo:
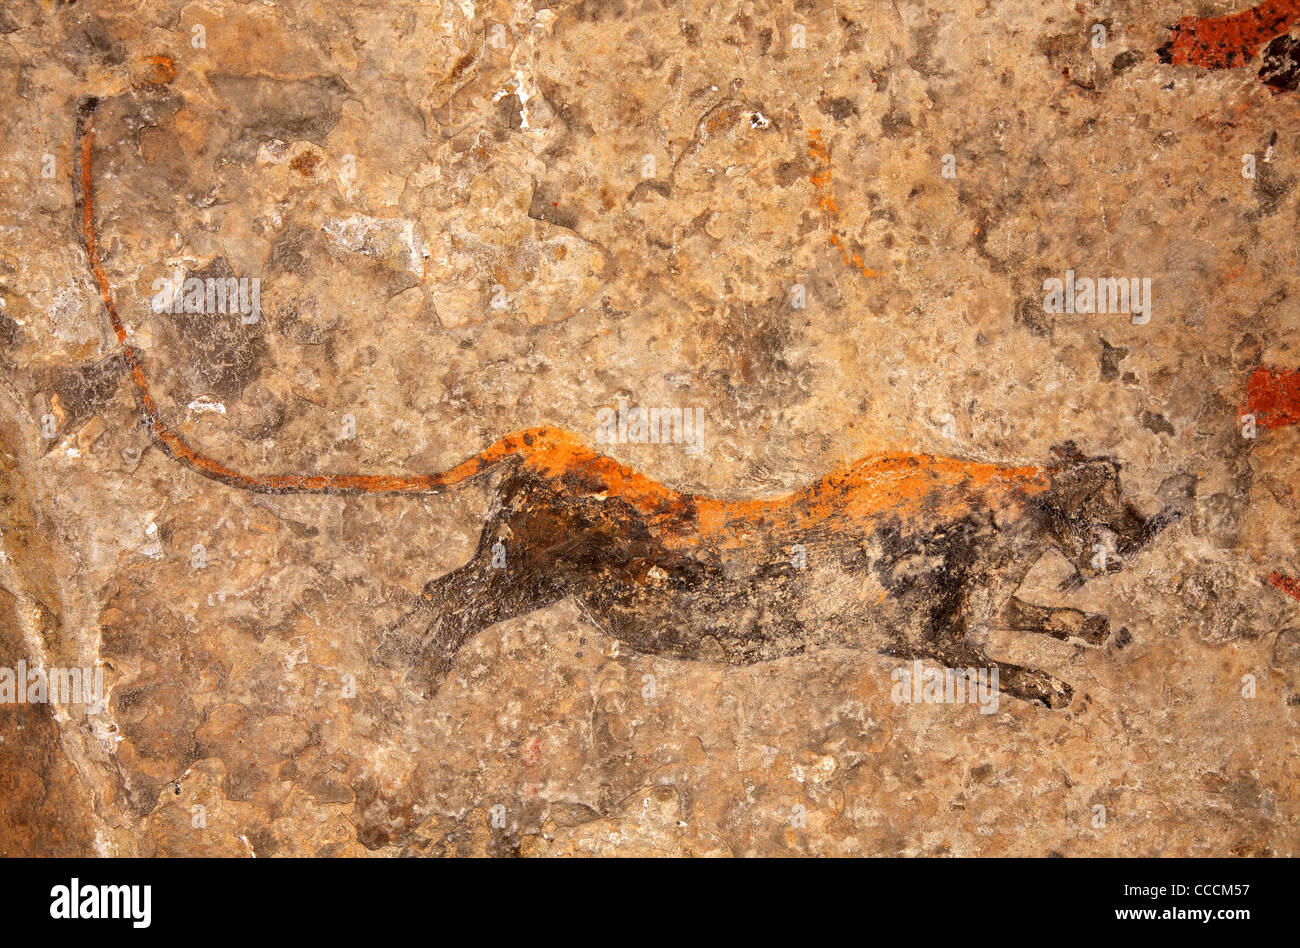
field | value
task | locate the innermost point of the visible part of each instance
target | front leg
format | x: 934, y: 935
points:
x: 513, y: 572
x: 1058, y: 622
x: 1027, y: 684
x: 949, y: 645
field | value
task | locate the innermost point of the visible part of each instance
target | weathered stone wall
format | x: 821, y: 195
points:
x: 471, y: 218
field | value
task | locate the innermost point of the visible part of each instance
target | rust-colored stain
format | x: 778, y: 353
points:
x: 826, y: 203
x: 163, y: 70
x: 306, y: 163
x: 1227, y: 42
x: 462, y: 65
x: 1287, y: 584
x: 1273, y: 397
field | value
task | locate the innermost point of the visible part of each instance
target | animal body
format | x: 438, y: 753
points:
x: 904, y: 554
x: 899, y: 553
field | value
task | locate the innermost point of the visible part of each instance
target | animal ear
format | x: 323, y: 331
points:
x: 1066, y: 452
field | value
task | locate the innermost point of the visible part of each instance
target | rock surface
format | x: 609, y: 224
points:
x: 826, y: 226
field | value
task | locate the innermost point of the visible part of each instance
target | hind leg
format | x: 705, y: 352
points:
x: 451, y: 609
x: 519, y: 566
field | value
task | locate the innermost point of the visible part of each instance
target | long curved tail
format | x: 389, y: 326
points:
x: 520, y: 444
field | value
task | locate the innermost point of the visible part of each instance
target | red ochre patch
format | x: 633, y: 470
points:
x: 1227, y: 42
x: 826, y: 203
x: 1285, y: 583
x: 1273, y: 397
x: 159, y: 70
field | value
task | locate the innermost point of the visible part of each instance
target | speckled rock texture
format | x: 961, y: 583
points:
x: 830, y: 229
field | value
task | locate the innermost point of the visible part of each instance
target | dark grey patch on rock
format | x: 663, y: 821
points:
x: 8, y: 331
x: 1125, y: 60
x: 1247, y: 350
x: 99, y: 42
x: 1270, y: 188
x: 573, y: 116
x: 1178, y: 490
x: 1219, y: 517
x: 510, y: 111
x: 1029, y: 313
x: 1286, y: 651
x: 1213, y: 597
x: 83, y: 391
x: 760, y: 339
x: 1111, y: 356
x: 302, y: 259
x: 983, y: 225
x: 400, y: 282
x: 294, y: 320
x: 1060, y: 45
x: 923, y: 60
x: 572, y: 814
x: 594, y: 11
x: 286, y: 109
x: 896, y: 125
x: 1286, y: 659
x: 644, y: 189
x: 839, y: 108
x: 788, y: 172
x: 1156, y: 423
x: 214, y: 353
x: 293, y: 250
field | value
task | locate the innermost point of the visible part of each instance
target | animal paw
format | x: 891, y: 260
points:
x: 1038, y: 686
x: 1095, y: 629
x: 428, y: 675
x: 1089, y: 626
x: 401, y: 643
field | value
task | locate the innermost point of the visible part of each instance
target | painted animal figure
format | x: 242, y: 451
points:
x: 898, y: 553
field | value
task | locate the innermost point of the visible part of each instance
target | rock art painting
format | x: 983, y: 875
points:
x: 649, y: 429
x: 918, y: 537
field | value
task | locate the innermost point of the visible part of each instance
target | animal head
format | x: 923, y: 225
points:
x: 1090, y: 520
